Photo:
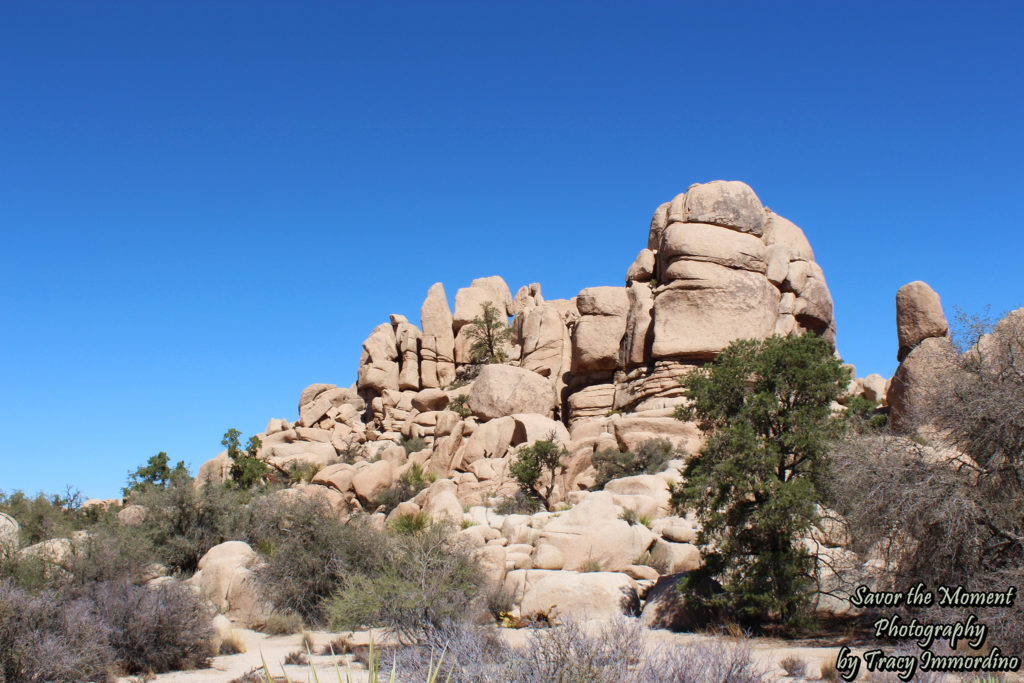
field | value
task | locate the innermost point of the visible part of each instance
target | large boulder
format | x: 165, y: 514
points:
x: 591, y: 533
x: 543, y: 339
x: 714, y: 244
x: 587, y: 596
x: 598, y: 334
x: 226, y: 578
x: 501, y: 390
x: 666, y: 608
x: 469, y: 301
x: 919, y: 316
x: 707, y: 306
x: 729, y: 203
x: 919, y: 378
x: 378, y: 366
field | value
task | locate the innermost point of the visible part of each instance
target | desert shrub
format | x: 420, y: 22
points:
x: 308, y: 549
x: 302, y: 472
x: 351, y: 450
x: 460, y: 404
x: 413, y: 444
x: 536, y: 468
x: 651, y: 457
x: 417, y: 581
x: 283, y: 624
x: 412, y: 481
x: 864, y: 416
x: 232, y: 644
x: 106, y: 553
x: 44, y: 639
x: 43, y: 516
x: 519, y: 503
x: 296, y: 657
x: 408, y: 524
x: 591, y: 566
x: 617, y: 652
x: 793, y: 666
x: 766, y: 407
x: 182, y: 523
x: 153, y: 629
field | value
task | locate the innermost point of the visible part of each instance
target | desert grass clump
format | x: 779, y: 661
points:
x: 412, y: 481
x: 408, y: 524
x: 232, y: 644
x: 283, y: 624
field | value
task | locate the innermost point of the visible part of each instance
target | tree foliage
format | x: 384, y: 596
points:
x: 536, y: 468
x: 489, y: 335
x: 156, y: 472
x: 247, y: 470
x: 766, y: 407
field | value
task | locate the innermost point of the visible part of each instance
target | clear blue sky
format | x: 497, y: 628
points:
x: 206, y: 206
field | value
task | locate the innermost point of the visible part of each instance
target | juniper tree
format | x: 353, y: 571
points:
x: 490, y: 335
x: 766, y: 408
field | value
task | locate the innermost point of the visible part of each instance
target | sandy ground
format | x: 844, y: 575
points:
x: 274, y: 649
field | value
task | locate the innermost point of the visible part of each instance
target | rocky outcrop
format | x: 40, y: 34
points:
x: 9, y: 531
x: 919, y: 316
x: 925, y: 351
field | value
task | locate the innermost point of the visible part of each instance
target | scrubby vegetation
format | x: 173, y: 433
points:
x: 536, y: 468
x: 651, y: 457
x: 489, y: 336
x: 412, y: 481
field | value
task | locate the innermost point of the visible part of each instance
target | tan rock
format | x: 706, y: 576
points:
x: 592, y: 595
x: 530, y: 428
x: 526, y: 298
x: 591, y: 532
x: 378, y: 366
x: 636, y: 343
x: 675, y: 557
x: 131, y: 515
x: 469, y: 301
x: 501, y: 390
x: 778, y: 230
x: 713, y: 244
x: 489, y: 440
x: 729, y: 203
x: 548, y: 556
x: 642, y: 269
x: 408, y: 340
x: 597, y: 336
x: 220, y: 568
x: 918, y: 377
x: 919, y: 316
x: 873, y: 387
x: 430, y: 400
x: 699, y: 316
x: 658, y: 224
x: 545, y: 346
x: 339, y: 477
x: 372, y: 480
x: 9, y: 531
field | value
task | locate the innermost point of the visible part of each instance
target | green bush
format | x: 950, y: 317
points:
x: 414, y: 444
x: 412, y: 481
x: 766, y: 407
x: 302, y: 472
x: 44, y: 516
x: 537, y: 467
x: 520, y: 503
x: 283, y: 624
x: 247, y: 470
x: 308, y: 550
x: 460, y: 405
x: 417, y: 581
x: 651, y: 457
x: 182, y: 523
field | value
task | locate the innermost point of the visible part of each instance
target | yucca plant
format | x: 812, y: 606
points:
x: 373, y: 669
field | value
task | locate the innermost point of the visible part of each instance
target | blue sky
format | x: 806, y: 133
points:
x: 206, y: 206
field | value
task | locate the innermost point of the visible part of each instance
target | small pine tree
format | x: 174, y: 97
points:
x: 156, y: 472
x: 247, y: 470
x: 766, y: 407
x: 490, y: 336
x: 536, y: 467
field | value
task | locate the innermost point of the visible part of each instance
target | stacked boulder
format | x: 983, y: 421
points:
x: 925, y: 350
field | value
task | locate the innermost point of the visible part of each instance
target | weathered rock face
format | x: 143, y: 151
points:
x: 501, y: 390
x: 919, y: 316
x: 9, y: 531
x: 598, y: 334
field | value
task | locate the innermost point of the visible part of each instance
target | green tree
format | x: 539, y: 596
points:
x: 490, y: 336
x: 766, y: 407
x: 156, y: 472
x: 536, y: 467
x: 247, y: 470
